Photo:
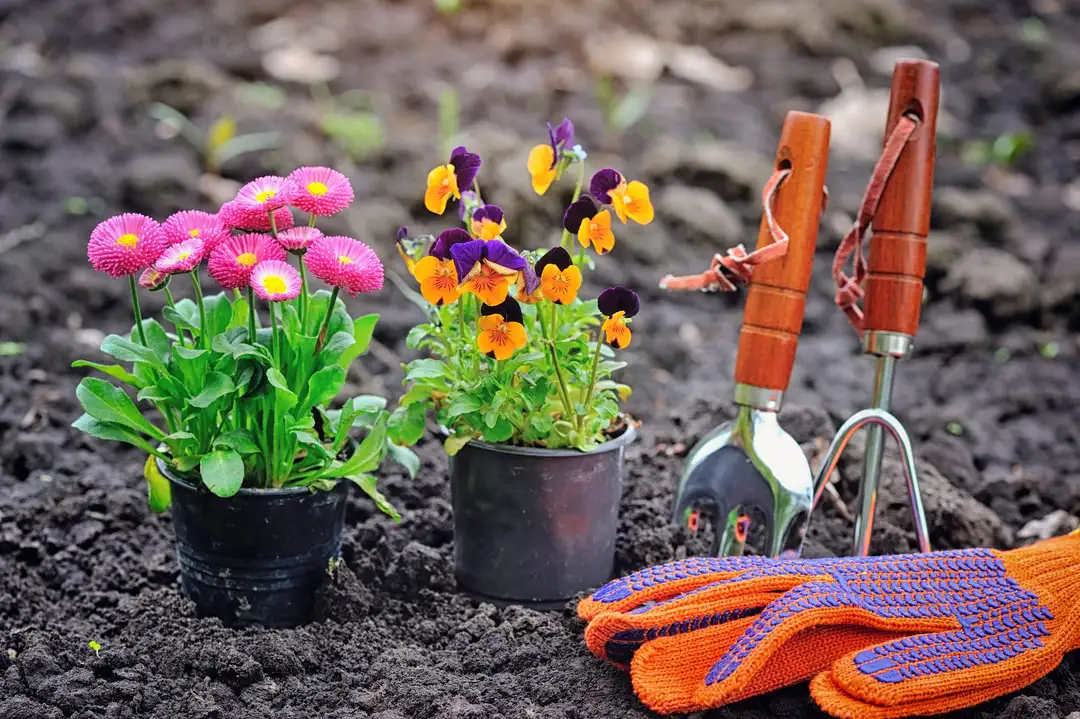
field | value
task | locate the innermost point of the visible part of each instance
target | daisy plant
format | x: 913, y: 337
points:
x: 514, y: 354
x: 234, y: 390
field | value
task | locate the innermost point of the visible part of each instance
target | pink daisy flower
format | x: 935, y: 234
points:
x: 275, y: 281
x: 267, y: 193
x: 193, y: 224
x: 321, y: 191
x: 182, y: 257
x: 125, y: 244
x: 152, y: 280
x: 346, y: 263
x: 298, y: 238
x: 238, y: 217
x: 232, y: 262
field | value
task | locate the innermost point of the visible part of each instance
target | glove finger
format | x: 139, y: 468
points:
x: 812, y: 605
x: 833, y: 700
x: 663, y: 582
x: 667, y: 672
x: 927, y: 666
x: 615, y: 636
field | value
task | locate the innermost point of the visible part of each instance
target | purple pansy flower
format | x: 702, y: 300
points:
x: 466, y: 165
x: 618, y: 299
x: 603, y: 182
x: 583, y: 209
x: 448, y: 238
x: 529, y: 278
x: 562, y: 138
x: 470, y: 257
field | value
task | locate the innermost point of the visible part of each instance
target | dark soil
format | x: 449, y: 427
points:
x: 991, y: 397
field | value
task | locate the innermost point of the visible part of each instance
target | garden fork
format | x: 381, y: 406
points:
x: 751, y: 461
x: 897, y: 209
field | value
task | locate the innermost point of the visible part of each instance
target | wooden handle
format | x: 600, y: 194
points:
x: 777, y: 296
x: 897, y: 258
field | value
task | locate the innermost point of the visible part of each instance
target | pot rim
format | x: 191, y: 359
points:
x: 610, y: 446
x: 272, y: 493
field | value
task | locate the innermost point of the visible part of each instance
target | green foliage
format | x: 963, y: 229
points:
x: 220, y: 143
x: 621, y: 110
x: 1004, y: 151
x: 242, y: 411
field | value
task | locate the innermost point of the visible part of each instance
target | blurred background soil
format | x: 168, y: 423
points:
x: 687, y: 95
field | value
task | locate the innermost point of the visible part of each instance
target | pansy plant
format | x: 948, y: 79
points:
x: 235, y: 389
x: 514, y: 354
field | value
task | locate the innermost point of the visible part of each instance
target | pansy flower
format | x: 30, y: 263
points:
x: 346, y: 263
x: 528, y: 286
x: 591, y: 224
x: 629, y: 200
x: 618, y: 304
x: 181, y: 257
x: 321, y: 190
x: 488, y: 222
x: 560, y: 278
x: 195, y: 225
x: 238, y: 217
x: 544, y: 160
x: 436, y: 272
x: 448, y: 180
x: 275, y: 281
x: 485, y: 268
x: 501, y: 331
x: 125, y: 244
x: 153, y: 280
x: 298, y: 239
x: 232, y: 262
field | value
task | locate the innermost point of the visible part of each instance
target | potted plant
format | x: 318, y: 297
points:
x: 518, y: 373
x: 233, y: 390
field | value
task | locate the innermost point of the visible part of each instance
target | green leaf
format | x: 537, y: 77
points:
x: 500, y: 431
x: 107, y: 403
x: 416, y: 335
x: 406, y: 458
x: 156, y: 338
x: 159, y: 493
x: 455, y: 442
x: 366, y: 482
x: 363, y: 329
x: 239, y: 314
x: 113, y: 370
x: 367, y: 457
x: 407, y: 424
x: 425, y: 369
x: 324, y: 385
x: 222, y: 472
x: 217, y: 386
x: 219, y: 313
x: 240, y: 440
x: 463, y: 404
x: 285, y: 396
x: 127, y: 351
x: 185, y: 315
x: 111, y: 431
x: 416, y: 393
x: 188, y: 463
x: 154, y: 394
x: 187, y: 353
x: 336, y: 347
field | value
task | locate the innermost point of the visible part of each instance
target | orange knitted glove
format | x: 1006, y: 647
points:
x: 958, y: 628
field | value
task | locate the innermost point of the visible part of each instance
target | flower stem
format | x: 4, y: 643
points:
x: 326, y: 320
x: 303, y: 294
x: 179, y: 332
x: 204, y: 334
x: 275, y: 339
x: 137, y: 310
x: 251, y: 315
x: 476, y: 189
x: 592, y: 387
x: 273, y: 224
x: 577, y: 195
x: 564, y: 394
x: 311, y: 221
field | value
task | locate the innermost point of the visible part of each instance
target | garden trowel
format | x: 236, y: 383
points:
x: 751, y: 462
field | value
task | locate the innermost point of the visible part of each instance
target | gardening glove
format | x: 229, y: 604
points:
x: 967, y: 626
x: 721, y: 601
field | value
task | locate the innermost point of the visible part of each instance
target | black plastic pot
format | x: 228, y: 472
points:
x: 535, y: 526
x: 259, y: 557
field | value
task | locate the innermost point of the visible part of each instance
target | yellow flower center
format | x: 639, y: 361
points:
x: 274, y: 285
x: 128, y: 240
x: 183, y: 256
x: 343, y: 260
x: 317, y: 188
x: 194, y: 233
x: 265, y: 195
x: 247, y: 259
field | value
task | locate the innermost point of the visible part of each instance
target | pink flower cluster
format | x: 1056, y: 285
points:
x: 130, y: 243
